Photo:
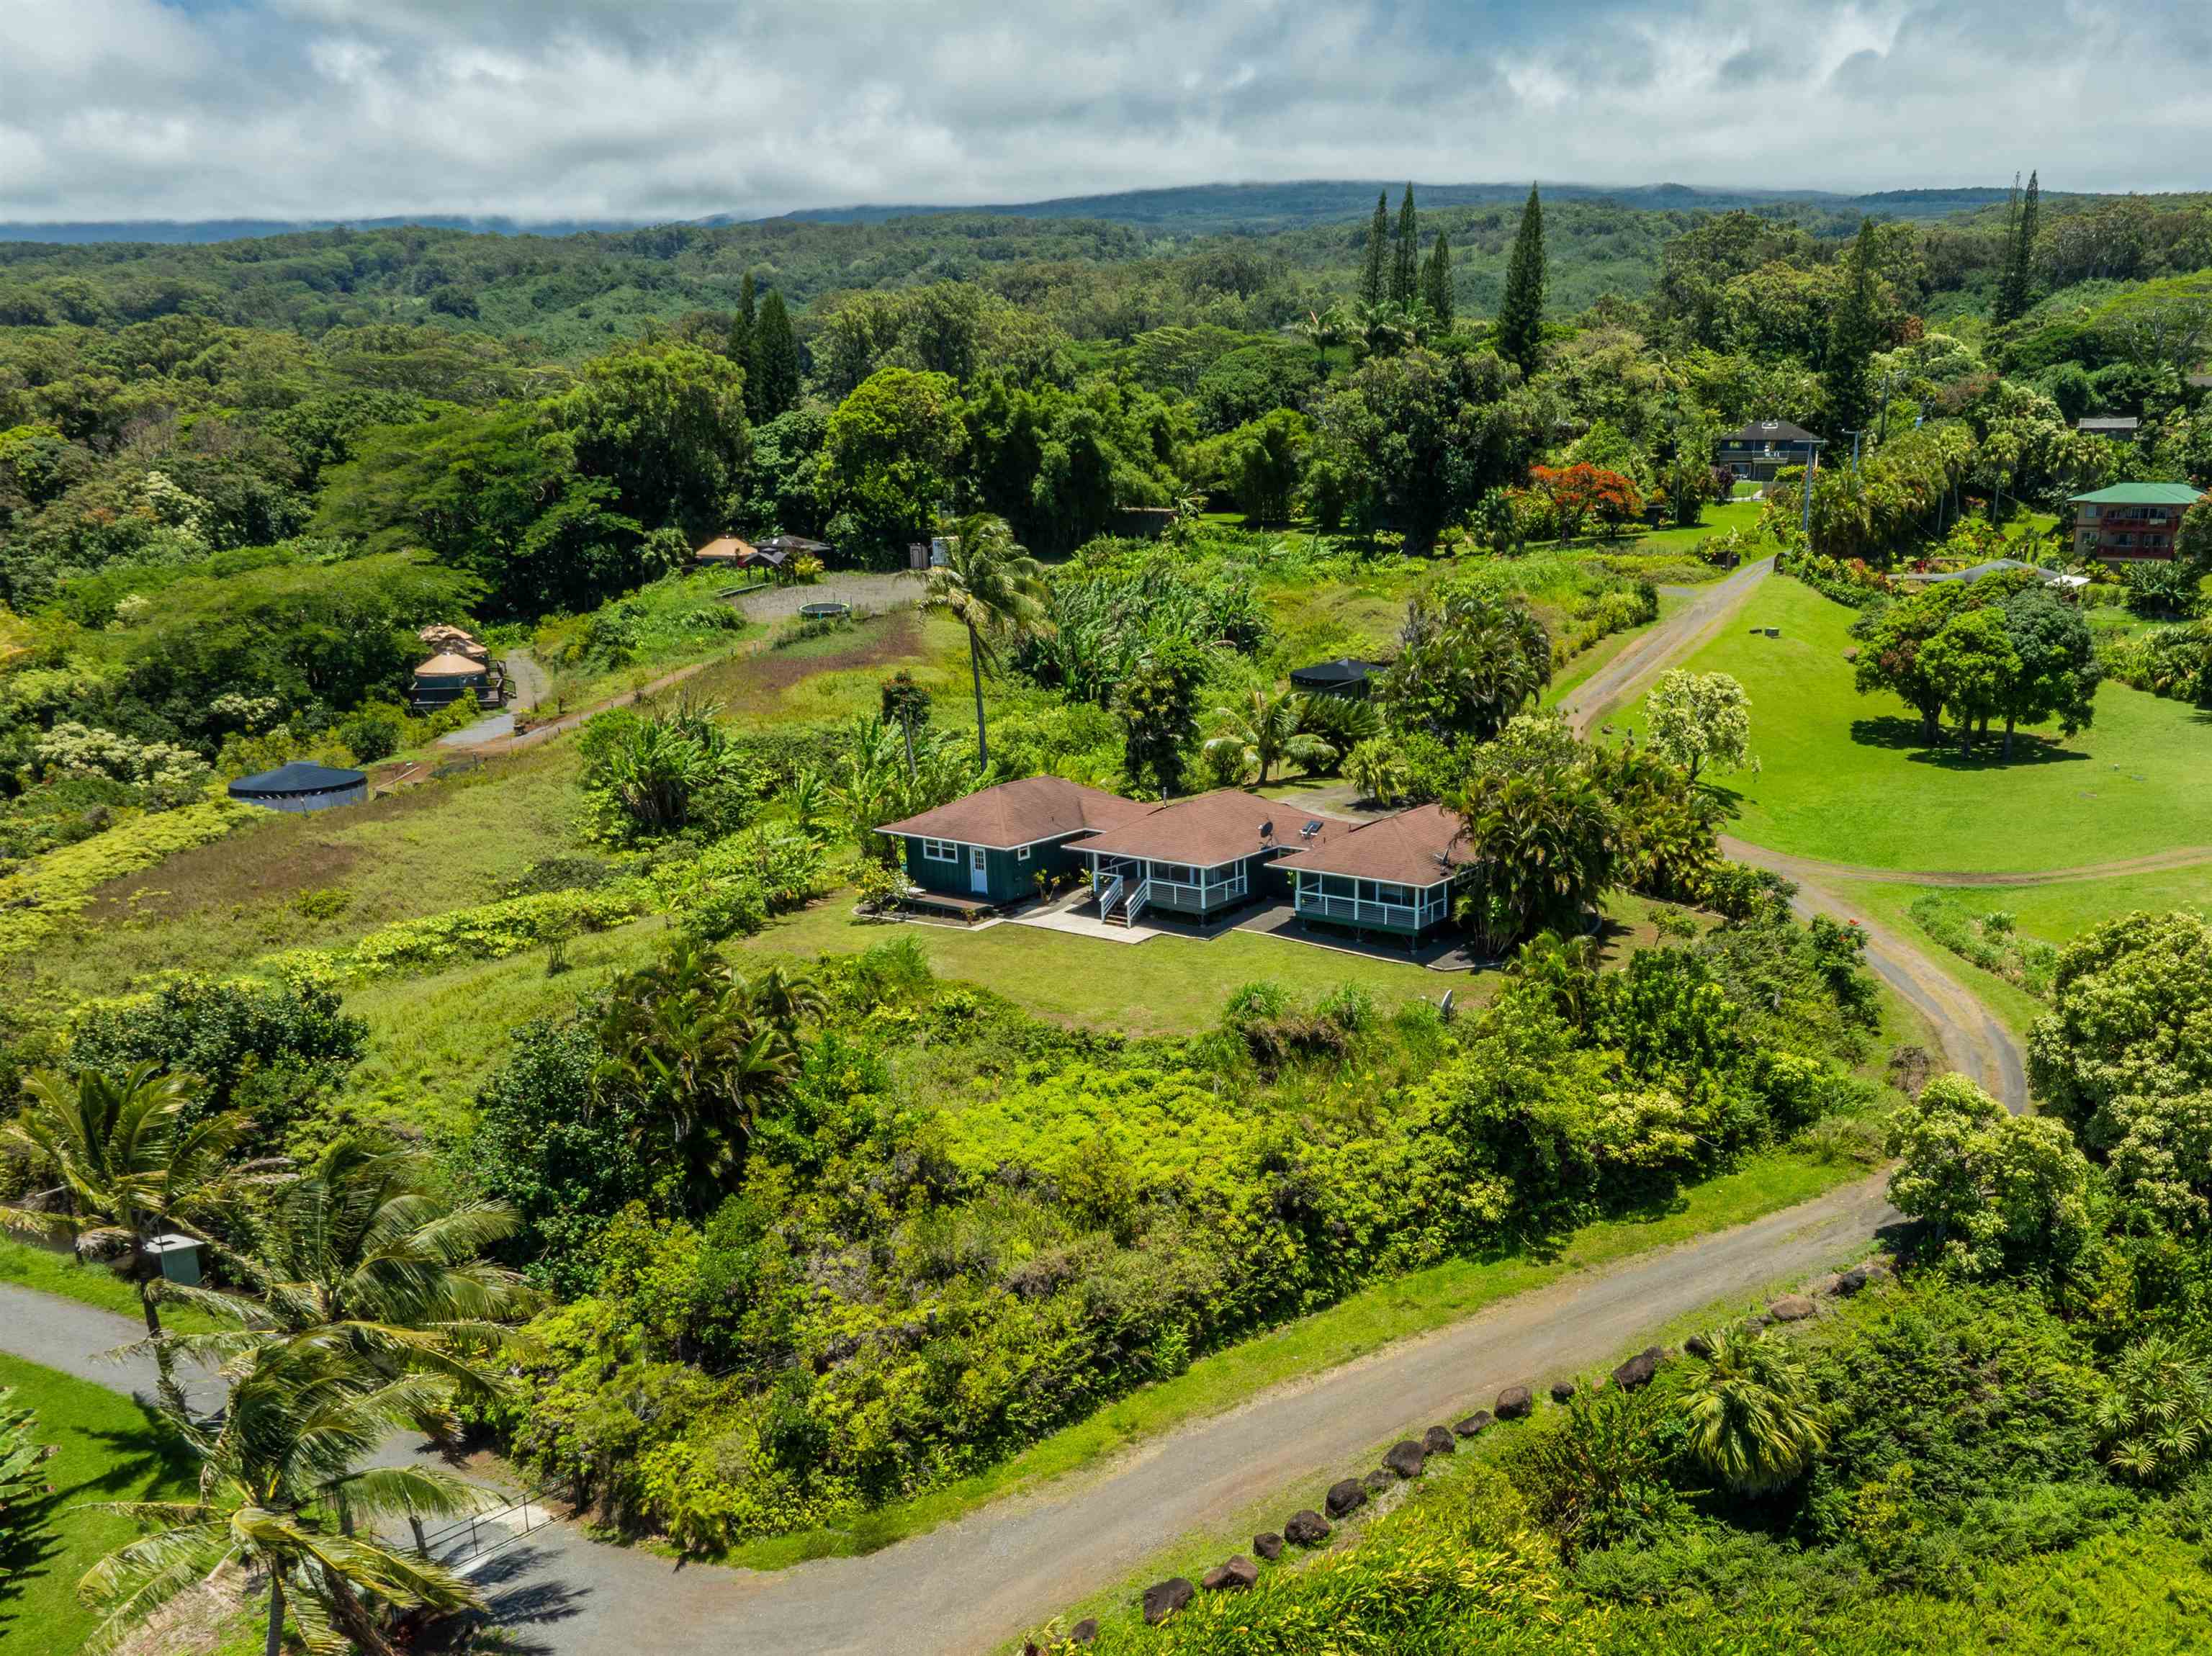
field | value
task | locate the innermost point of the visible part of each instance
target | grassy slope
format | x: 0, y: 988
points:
x: 1891, y: 904
x: 441, y: 845
x: 1845, y: 777
x: 111, y: 1450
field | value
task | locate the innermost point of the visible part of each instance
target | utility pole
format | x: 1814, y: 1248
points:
x: 1888, y: 379
x: 1812, y: 471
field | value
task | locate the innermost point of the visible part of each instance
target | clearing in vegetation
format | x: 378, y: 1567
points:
x: 1847, y: 778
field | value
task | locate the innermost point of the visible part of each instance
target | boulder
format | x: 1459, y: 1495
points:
x: 1380, y: 1479
x: 1697, y: 1346
x: 1636, y: 1373
x: 1406, y: 1458
x: 1163, y: 1598
x: 1439, y: 1441
x: 1819, y: 1286
x: 1851, y: 1282
x: 1232, y: 1576
x: 1268, y: 1546
x: 1789, y: 1308
x: 1307, y: 1527
x: 1514, y: 1403
x: 1474, y: 1425
x: 1347, y: 1495
x: 1756, y: 1321
x: 1084, y: 1631
x: 1562, y: 1390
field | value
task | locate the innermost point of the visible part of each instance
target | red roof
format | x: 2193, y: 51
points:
x: 1421, y: 847
x: 1205, y: 830
x: 1022, y: 813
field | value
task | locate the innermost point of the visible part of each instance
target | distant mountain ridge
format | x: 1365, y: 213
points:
x: 1188, y: 210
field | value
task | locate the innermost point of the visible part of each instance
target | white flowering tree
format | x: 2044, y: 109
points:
x: 1700, y: 721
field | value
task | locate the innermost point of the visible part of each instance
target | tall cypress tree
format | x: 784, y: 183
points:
x: 1847, y: 372
x: 2016, y: 288
x: 1435, y: 281
x: 742, y: 322
x: 1520, y: 309
x: 1375, y: 277
x: 1406, y: 260
x: 772, y: 376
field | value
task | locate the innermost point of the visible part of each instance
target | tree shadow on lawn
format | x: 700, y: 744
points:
x: 149, y: 1452
x: 1906, y: 736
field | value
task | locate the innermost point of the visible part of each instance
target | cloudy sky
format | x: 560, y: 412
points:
x: 665, y: 109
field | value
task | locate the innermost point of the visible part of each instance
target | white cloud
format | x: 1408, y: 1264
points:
x: 678, y: 108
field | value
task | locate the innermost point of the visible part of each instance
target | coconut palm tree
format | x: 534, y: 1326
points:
x: 992, y: 586
x: 1753, y: 1422
x: 1268, y: 731
x: 128, y: 1166
x: 362, y: 1243
x: 281, y: 1483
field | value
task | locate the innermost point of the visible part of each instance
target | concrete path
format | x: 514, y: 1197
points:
x: 1659, y: 647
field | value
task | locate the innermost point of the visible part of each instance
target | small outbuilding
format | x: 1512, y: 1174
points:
x: 1347, y: 676
x: 724, y: 552
x: 2125, y: 426
x: 302, y: 785
x: 444, y: 679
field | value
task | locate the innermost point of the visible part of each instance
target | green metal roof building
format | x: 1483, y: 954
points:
x: 2130, y: 523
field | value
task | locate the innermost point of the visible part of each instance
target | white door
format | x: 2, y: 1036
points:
x: 979, y: 871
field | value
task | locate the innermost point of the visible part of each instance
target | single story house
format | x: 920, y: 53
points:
x: 1196, y: 857
x: 1765, y: 449
x: 1396, y: 874
x: 2129, y: 523
x: 2051, y: 577
x: 2123, y: 426
x: 988, y: 847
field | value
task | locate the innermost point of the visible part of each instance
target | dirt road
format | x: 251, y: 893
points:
x: 1810, y: 867
x: 1659, y: 647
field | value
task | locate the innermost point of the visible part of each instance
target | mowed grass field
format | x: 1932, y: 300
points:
x: 1844, y: 777
x: 110, y: 1449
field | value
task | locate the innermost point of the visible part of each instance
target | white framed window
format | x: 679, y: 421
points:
x: 1023, y: 855
x: 940, y: 850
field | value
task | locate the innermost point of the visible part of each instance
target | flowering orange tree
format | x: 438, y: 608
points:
x: 1583, y: 490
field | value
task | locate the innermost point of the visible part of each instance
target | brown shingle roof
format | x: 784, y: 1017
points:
x: 1402, y: 848
x: 1021, y: 814
x: 1204, y: 831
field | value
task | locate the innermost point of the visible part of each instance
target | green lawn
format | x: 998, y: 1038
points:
x: 1164, y: 986
x: 1844, y: 777
x: 110, y: 1450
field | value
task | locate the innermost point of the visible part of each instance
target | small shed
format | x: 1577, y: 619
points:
x: 302, y: 785
x: 1347, y: 675
x: 446, y: 678
x: 797, y: 546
